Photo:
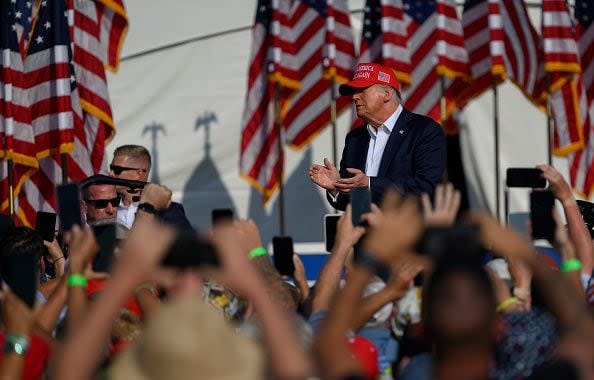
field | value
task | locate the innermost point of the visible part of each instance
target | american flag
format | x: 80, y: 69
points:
x: 93, y: 46
x: 17, y: 140
x: 113, y: 25
x: 90, y: 58
x: 582, y: 162
x: 316, y: 32
x: 436, y: 46
x: 23, y: 22
x: 524, y: 60
x: 561, y: 62
x: 51, y: 92
x: 259, y: 158
x: 485, y: 49
x: 339, y: 56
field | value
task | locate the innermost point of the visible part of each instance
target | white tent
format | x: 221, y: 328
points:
x: 180, y: 92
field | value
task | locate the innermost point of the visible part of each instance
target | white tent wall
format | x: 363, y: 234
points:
x: 191, y: 97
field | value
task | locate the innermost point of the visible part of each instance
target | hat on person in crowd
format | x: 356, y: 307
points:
x: 367, y: 75
x: 366, y: 354
x: 187, y: 339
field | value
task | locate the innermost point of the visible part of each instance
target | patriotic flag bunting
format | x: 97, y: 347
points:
x: 561, y: 62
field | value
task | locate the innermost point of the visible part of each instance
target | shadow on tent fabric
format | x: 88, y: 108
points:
x: 304, y: 208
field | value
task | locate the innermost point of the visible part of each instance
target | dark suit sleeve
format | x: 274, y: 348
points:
x: 341, y: 202
x: 427, y: 160
x: 175, y: 215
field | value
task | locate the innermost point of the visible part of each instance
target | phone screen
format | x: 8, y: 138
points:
x: 525, y: 177
x: 541, y: 215
x: 361, y: 204
x: 20, y: 273
x: 221, y: 215
x: 69, y: 205
x: 45, y: 225
x: 282, y: 248
x: 106, y: 238
x: 330, y: 222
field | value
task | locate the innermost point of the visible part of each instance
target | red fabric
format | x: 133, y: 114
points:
x: 366, y: 354
x: 35, y: 359
x: 131, y: 304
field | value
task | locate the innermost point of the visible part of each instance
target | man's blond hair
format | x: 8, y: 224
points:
x: 136, y: 152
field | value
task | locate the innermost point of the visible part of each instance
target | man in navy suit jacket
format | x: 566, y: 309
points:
x: 133, y: 162
x: 397, y: 148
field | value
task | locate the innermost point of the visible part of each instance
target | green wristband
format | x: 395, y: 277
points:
x: 76, y: 280
x: 572, y: 265
x: 258, y: 251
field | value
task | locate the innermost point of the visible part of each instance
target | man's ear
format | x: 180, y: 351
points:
x: 387, y: 95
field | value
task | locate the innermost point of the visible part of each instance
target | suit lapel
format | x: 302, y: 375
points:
x: 362, y: 147
x: 398, y: 133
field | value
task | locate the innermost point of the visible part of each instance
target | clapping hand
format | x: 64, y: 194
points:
x: 325, y: 175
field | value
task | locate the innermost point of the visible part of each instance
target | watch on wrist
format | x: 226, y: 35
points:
x: 147, y: 207
x: 16, y: 343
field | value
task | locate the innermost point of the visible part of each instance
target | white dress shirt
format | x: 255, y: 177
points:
x: 377, y: 144
x: 127, y: 214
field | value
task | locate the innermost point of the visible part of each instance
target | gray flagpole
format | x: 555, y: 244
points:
x: 279, y: 131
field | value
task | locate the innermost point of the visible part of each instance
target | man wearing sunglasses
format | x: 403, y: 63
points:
x: 100, y: 202
x: 133, y: 162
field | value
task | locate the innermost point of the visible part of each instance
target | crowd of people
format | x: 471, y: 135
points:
x: 484, y: 304
x: 412, y: 290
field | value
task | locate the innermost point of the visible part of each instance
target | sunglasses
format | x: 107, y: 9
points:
x: 117, y: 170
x: 102, y: 203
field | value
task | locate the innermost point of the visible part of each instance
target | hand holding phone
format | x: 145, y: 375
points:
x: 282, y: 251
x: 525, y: 177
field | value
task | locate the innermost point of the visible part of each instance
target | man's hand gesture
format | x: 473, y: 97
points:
x: 325, y: 176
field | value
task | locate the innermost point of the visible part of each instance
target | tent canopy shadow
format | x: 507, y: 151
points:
x: 304, y: 208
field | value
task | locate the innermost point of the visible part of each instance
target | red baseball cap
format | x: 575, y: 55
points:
x: 368, y: 74
x: 366, y: 355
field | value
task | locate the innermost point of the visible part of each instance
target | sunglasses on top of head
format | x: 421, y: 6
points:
x: 102, y: 203
x: 117, y: 170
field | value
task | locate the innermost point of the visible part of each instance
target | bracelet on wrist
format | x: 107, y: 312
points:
x: 507, y: 303
x: 76, y: 279
x: 16, y: 343
x: 56, y: 260
x: 573, y: 265
x: 257, y: 252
